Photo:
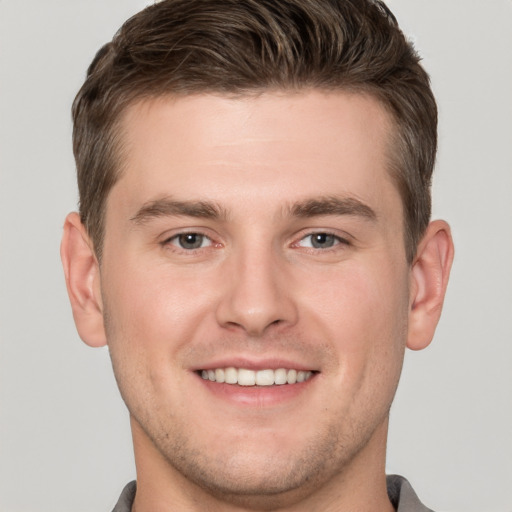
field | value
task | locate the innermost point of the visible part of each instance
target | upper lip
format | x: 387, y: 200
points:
x: 255, y: 364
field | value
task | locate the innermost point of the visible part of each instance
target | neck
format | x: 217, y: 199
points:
x: 359, y: 486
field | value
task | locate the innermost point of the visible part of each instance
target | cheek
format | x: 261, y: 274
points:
x: 149, y: 317
x: 357, y: 299
x: 362, y: 310
x: 154, y: 305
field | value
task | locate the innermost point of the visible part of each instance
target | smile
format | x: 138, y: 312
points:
x: 245, y: 377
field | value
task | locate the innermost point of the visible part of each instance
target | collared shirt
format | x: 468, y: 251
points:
x: 400, y: 492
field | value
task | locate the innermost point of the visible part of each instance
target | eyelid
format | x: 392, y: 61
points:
x: 168, y: 238
x: 177, y: 239
x: 340, y: 239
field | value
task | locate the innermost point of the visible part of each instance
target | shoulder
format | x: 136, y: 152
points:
x: 124, y: 504
x: 402, y: 495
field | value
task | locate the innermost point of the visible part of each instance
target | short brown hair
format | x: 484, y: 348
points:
x: 241, y: 47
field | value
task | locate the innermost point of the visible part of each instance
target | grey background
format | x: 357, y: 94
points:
x: 65, y: 441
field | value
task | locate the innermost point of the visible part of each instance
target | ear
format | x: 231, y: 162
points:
x: 81, y: 269
x: 429, y: 279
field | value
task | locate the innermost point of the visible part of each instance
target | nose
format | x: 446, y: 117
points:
x: 256, y: 294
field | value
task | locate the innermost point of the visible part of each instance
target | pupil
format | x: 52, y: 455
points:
x: 322, y: 240
x: 191, y: 241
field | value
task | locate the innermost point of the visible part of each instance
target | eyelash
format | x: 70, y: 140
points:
x: 178, y: 236
x: 336, y: 241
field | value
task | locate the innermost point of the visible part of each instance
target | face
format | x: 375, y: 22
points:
x: 255, y: 287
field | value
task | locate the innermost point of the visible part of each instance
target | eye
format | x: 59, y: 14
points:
x: 190, y: 241
x: 320, y: 241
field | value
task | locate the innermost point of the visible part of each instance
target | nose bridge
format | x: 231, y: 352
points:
x: 256, y: 295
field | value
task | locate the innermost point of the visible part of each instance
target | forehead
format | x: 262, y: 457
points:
x: 312, y: 114
x: 280, y: 145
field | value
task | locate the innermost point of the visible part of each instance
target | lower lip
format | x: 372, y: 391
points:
x: 260, y: 396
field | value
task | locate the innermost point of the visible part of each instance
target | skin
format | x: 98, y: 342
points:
x: 273, y: 170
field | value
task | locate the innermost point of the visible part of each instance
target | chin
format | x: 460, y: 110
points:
x: 269, y: 485
x: 264, y: 475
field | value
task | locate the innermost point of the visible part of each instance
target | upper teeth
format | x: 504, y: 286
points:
x: 244, y: 377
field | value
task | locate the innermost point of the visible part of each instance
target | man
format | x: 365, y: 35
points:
x: 254, y: 246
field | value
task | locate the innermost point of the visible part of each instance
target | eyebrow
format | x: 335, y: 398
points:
x: 332, y: 205
x: 168, y: 207
x: 314, y: 207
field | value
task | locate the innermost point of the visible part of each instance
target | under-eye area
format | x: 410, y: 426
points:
x: 246, y: 377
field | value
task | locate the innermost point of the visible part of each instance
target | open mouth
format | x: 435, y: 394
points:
x: 245, y: 377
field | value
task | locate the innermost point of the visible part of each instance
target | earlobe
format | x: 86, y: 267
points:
x: 429, y: 279
x: 81, y: 270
